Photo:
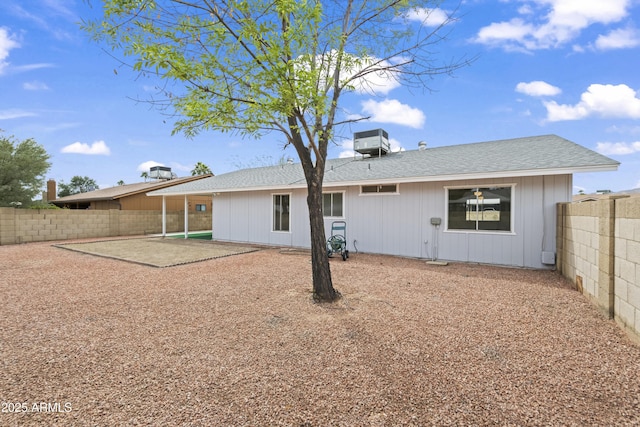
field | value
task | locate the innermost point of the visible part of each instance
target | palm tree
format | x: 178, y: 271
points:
x: 144, y: 175
x: 200, y: 169
x: 121, y: 182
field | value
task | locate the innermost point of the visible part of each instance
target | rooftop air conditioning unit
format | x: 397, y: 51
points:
x: 372, y: 142
x: 160, y: 172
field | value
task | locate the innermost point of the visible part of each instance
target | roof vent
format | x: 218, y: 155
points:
x: 422, y: 145
x: 372, y: 142
x: 160, y: 172
x: 289, y: 161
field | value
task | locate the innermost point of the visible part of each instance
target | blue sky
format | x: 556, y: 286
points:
x: 567, y: 67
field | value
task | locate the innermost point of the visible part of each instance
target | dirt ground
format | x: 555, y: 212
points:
x: 237, y: 340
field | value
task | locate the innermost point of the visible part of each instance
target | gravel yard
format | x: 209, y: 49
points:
x: 236, y: 341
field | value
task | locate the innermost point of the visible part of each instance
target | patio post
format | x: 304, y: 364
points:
x: 212, y: 197
x: 186, y: 217
x: 164, y: 216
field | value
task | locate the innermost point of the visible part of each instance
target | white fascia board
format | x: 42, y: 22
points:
x: 228, y: 190
x: 483, y: 175
x: 181, y: 193
x: 158, y: 193
x: 432, y: 178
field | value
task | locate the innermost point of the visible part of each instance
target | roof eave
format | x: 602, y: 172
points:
x: 230, y: 190
x: 165, y: 184
x: 477, y: 175
x: 94, y: 199
x: 432, y: 178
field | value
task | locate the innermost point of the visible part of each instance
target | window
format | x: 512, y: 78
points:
x: 281, y: 212
x: 332, y: 204
x: 201, y: 208
x: 386, y: 188
x: 479, y: 208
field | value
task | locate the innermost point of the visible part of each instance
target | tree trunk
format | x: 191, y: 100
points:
x: 323, y: 290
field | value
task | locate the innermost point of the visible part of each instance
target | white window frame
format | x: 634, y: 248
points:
x: 343, y: 203
x: 379, y: 193
x: 273, y: 225
x: 483, y: 185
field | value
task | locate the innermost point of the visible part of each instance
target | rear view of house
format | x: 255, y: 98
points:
x: 489, y: 202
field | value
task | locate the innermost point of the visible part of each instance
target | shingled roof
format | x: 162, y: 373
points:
x: 528, y: 156
x: 119, y: 191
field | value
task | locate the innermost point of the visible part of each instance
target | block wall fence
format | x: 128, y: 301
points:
x: 40, y: 225
x: 598, y: 249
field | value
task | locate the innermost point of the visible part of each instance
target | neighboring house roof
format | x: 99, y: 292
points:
x: 579, y: 198
x: 119, y: 191
x: 633, y: 192
x: 530, y: 156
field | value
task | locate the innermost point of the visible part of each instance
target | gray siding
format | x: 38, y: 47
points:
x: 399, y: 224
x: 247, y: 217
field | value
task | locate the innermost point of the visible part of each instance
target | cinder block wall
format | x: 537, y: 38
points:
x: 627, y: 263
x: 599, y: 251
x: 7, y: 226
x: 580, y: 244
x: 38, y: 225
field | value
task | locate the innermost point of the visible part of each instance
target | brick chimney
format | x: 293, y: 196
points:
x: 51, y: 190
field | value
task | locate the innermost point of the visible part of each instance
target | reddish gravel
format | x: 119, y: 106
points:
x: 238, y: 341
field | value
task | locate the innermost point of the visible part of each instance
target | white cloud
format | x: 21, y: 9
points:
x: 537, y: 88
x: 619, y: 101
x: 60, y: 7
x: 145, y: 166
x: 512, y: 35
x: 577, y: 189
x: 545, y: 24
x: 7, y: 42
x: 618, y: 148
x: 364, y: 75
x: 380, y: 81
x: 393, y: 111
x: 97, y: 148
x: 35, y: 85
x: 15, y: 113
x: 372, y: 75
x: 31, y: 67
x: 395, y: 146
x: 581, y: 13
x: 61, y: 126
x: 347, y: 149
x: 44, y: 13
x: 622, y: 38
x: 525, y: 9
x: 429, y: 17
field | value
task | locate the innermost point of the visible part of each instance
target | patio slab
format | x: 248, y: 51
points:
x: 157, y: 251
